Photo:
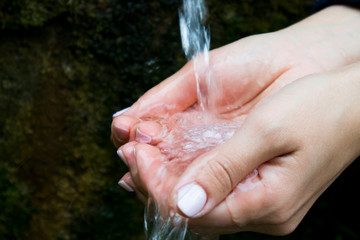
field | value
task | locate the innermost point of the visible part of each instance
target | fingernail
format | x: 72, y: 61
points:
x: 124, y: 185
x: 122, y: 157
x: 118, y: 113
x: 120, y: 132
x: 191, y: 199
x: 141, y: 137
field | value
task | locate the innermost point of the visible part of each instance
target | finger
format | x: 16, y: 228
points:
x: 211, y: 177
x: 121, y: 128
x: 219, y: 220
x: 149, y: 132
x: 127, y: 151
x: 268, y: 202
x: 246, y: 197
x: 127, y: 183
x: 155, y: 172
x: 150, y: 165
x: 172, y: 95
x: 119, y: 113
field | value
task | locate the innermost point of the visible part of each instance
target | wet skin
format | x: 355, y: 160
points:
x: 250, y: 76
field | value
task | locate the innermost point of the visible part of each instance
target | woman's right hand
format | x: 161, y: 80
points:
x: 299, y: 140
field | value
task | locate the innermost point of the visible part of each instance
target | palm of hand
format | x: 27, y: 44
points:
x: 245, y: 73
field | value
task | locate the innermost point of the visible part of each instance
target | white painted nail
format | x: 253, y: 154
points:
x: 118, y: 113
x: 120, y: 132
x: 191, y: 199
x: 124, y: 185
x: 142, y: 137
x: 122, y: 157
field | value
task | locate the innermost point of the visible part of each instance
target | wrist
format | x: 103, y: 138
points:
x: 330, y: 36
x: 345, y: 84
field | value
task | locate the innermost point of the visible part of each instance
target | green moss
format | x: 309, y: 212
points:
x: 15, y: 206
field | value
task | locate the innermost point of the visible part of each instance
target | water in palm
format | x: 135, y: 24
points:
x: 188, y: 134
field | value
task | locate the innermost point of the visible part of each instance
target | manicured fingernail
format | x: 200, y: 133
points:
x: 122, y: 157
x: 124, y: 185
x: 191, y: 199
x: 120, y: 132
x: 141, y: 137
x: 118, y: 113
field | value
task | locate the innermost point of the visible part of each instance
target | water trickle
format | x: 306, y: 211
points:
x: 187, y: 134
x: 195, y: 38
x: 170, y: 228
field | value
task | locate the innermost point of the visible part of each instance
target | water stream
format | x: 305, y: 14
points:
x: 187, y: 134
x: 195, y: 38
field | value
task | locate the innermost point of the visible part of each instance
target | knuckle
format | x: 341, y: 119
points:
x: 264, y: 123
x: 263, y: 117
x: 269, y: 125
x: 222, y: 174
x: 272, y: 128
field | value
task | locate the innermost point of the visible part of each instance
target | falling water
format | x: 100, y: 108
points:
x: 170, y: 228
x: 195, y: 38
x: 190, y: 138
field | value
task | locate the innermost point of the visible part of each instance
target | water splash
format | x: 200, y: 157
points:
x: 170, y: 228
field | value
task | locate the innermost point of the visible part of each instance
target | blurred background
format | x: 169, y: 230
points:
x: 65, y: 67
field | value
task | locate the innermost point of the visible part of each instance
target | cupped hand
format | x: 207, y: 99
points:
x: 249, y: 70
x: 246, y: 72
x: 298, y: 140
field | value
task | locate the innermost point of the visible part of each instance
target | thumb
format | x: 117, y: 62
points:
x: 212, y: 176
